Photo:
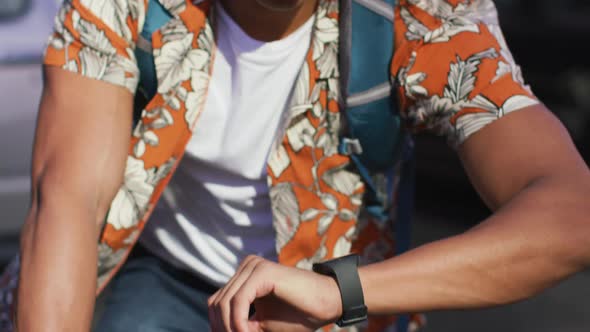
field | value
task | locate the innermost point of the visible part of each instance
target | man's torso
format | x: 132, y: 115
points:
x: 216, y: 210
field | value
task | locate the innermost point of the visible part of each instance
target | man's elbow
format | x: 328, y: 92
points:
x: 58, y: 205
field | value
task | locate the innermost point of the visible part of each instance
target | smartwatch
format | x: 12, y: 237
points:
x: 345, y: 271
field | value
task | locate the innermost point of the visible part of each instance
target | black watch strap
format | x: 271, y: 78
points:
x: 345, y: 271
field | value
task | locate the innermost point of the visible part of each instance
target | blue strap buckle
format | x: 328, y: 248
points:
x: 350, y: 146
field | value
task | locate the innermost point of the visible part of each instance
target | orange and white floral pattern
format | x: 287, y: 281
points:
x: 451, y: 66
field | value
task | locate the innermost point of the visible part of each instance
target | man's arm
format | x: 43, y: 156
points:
x: 81, y: 145
x: 526, y: 168
x: 528, y: 171
x: 455, y: 76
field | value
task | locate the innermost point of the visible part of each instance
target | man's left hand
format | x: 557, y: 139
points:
x: 285, y: 299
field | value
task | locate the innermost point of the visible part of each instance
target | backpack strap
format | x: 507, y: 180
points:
x: 383, y: 8
x: 156, y: 17
x: 345, y: 45
x: 372, y: 134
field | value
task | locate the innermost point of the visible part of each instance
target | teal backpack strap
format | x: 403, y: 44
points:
x: 371, y: 112
x: 373, y: 136
x: 156, y: 17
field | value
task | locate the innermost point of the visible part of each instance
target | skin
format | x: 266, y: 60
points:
x: 80, y: 149
x: 78, y: 166
x: 538, y: 187
x: 79, y: 155
x: 537, y: 184
x: 269, y: 20
x: 280, y: 6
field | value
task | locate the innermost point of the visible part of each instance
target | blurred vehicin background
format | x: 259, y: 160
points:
x: 548, y: 39
x: 24, y: 28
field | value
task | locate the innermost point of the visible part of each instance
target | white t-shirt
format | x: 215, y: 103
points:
x: 216, y: 209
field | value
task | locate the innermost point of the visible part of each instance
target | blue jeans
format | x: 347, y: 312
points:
x: 149, y: 295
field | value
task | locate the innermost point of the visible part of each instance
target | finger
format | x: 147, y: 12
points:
x: 225, y: 300
x: 212, y: 312
x: 212, y: 319
x: 258, y: 285
x: 221, y: 291
x: 214, y: 301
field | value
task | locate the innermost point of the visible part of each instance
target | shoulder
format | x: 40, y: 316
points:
x: 124, y: 18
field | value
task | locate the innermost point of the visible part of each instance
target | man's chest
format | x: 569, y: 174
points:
x: 248, y: 97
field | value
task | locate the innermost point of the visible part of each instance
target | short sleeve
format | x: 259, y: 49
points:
x: 96, y: 38
x: 452, y: 68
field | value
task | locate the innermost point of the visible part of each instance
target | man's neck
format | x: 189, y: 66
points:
x: 263, y: 22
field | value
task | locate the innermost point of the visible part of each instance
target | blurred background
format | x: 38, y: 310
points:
x: 548, y: 39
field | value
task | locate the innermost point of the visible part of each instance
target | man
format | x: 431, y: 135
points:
x: 249, y: 91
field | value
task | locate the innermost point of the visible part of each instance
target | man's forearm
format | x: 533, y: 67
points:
x: 534, y: 241
x: 58, y: 269
x: 78, y: 166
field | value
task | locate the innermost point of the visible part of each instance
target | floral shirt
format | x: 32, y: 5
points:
x: 451, y: 69
x: 454, y: 71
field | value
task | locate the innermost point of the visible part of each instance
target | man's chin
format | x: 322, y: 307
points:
x: 280, y: 5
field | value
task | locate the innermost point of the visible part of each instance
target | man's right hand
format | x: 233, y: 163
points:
x: 80, y: 149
